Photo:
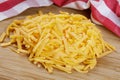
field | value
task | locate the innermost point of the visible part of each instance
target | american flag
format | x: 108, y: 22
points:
x: 104, y: 12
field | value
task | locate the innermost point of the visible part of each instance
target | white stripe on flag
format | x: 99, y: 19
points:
x: 118, y: 1
x: 44, y: 2
x: 20, y: 7
x: 80, y: 5
x: 2, y: 16
x: 2, y: 1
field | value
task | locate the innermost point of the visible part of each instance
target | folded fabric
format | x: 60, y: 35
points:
x: 103, y: 12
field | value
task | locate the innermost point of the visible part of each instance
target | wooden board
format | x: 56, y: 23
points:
x: 16, y: 67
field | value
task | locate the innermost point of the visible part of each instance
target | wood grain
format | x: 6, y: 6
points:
x: 17, y: 67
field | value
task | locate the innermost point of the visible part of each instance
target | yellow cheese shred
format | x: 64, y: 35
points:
x: 63, y: 41
x: 2, y: 37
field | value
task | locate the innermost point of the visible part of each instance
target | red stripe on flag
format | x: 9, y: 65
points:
x: 105, y: 21
x: 64, y: 2
x: 111, y: 4
x: 118, y: 10
x: 9, y: 4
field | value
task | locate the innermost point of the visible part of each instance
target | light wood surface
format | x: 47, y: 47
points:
x: 16, y: 67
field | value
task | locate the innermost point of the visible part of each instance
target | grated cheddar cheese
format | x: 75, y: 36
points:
x: 63, y: 41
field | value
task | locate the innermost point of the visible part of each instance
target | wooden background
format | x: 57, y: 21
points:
x: 17, y: 67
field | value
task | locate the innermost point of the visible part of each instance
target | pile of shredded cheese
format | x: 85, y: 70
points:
x: 63, y: 41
